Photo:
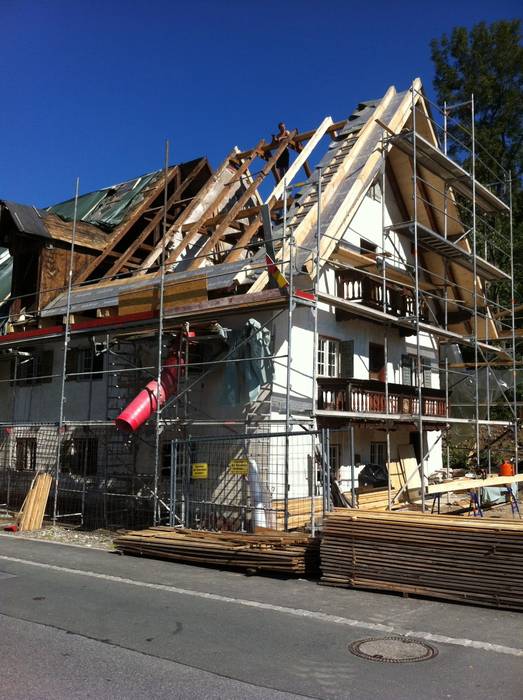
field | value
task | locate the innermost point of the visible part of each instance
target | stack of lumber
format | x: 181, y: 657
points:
x: 457, y: 558
x: 376, y: 499
x: 267, y: 551
x: 31, y: 515
x: 299, y: 510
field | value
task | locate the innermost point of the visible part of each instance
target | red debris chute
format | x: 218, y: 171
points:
x: 145, y: 404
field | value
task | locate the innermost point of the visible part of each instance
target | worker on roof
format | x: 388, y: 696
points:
x: 282, y: 164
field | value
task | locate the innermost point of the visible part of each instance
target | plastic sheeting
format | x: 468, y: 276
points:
x: 108, y: 207
x: 6, y: 270
x: 492, y: 383
x: 244, y: 379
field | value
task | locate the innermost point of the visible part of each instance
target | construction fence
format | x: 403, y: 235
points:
x: 226, y: 480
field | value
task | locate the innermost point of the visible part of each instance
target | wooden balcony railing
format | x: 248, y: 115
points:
x: 356, y: 286
x: 368, y: 396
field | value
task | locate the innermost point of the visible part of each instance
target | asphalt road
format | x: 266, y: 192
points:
x: 81, y: 623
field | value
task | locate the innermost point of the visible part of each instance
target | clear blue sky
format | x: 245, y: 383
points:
x: 93, y: 88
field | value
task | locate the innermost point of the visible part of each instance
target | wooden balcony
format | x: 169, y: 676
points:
x: 357, y: 286
x: 368, y: 396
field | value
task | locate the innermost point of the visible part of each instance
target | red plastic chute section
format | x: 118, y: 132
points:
x: 145, y: 404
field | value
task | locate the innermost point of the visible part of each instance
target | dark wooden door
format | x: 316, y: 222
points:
x: 377, y: 362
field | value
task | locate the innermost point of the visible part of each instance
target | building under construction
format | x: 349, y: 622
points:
x: 245, y: 347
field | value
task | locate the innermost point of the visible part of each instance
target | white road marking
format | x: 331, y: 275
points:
x: 297, y: 612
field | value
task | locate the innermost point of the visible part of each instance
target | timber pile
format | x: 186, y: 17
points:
x: 267, y: 551
x: 31, y: 515
x: 376, y: 499
x: 463, y: 559
x: 299, y: 510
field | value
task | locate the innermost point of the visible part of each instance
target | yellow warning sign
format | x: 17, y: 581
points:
x: 240, y: 467
x: 200, y: 470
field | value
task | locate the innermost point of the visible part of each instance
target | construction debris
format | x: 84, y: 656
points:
x: 31, y: 515
x: 269, y: 551
x: 449, y: 557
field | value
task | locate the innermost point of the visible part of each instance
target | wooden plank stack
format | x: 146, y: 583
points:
x: 464, y: 559
x: 31, y: 515
x: 375, y: 499
x: 266, y: 551
x: 299, y: 510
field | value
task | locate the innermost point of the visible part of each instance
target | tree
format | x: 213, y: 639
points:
x: 487, y: 61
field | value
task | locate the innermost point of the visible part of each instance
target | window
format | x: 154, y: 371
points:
x: 378, y: 453
x: 374, y: 191
x: 409, y: 375
x: 26, y: 453
x: 32, y: 367
x: 80, y: 456
x: 83, y: 364
x: 367, y: 247
x: 328, y: 357
x: 408, y: 370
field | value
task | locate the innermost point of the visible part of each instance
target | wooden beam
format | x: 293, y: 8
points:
x: 244, y: 240
x: 353, y: 198
x: 300, y: 159
x: 225, y: 193
x: 217, y: 235
x: 138, y: 242
x: 299, y: 138
x: 121, y: 230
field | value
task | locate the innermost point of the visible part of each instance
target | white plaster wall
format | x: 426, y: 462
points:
x: 85, y: 399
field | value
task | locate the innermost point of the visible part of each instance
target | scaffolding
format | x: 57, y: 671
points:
x: 450, y: 214
x: 467, y: 195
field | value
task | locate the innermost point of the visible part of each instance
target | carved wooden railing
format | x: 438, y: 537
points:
x: 368, y: 396
x: 352, y: 285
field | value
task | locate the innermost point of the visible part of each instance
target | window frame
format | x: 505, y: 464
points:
x: 29, y: 447
x: 378, y: 447
x: 329, y: 343
x: 84, y: 461
x: 84, y: 364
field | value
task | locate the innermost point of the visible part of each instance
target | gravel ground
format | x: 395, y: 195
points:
x: 103, y: 539
x: 95, y: 539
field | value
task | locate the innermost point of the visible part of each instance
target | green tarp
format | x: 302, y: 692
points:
x: 108, y: 207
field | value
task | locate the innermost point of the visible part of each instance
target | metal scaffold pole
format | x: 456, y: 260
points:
x: 315, y: 339
x: 289, y: 358
x: 67, y: 333
x: 158, y: 425
x: 416, y: 300
x: 513, y: 323
x: 475, y: 283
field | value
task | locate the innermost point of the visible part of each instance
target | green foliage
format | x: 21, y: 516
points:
x: 487, y: 62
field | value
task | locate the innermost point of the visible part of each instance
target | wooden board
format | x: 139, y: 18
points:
x: 299, y: 511
x: 469, y: 484
x: 180, y: 293
x: 375, y: 499
x: 31, y: 515
x: 396, y: 475
x: 476, y: 560
x: 264, y: 551
x: 409, y: 466
x: 176, y: 294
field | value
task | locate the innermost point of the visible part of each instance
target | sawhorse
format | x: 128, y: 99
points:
x: 514, y: 506
x: 475, y: 505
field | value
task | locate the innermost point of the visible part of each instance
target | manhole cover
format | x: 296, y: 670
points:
x: 393, y: 650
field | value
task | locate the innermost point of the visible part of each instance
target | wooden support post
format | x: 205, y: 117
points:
x: 194, y: 230
x: 249, y: 192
